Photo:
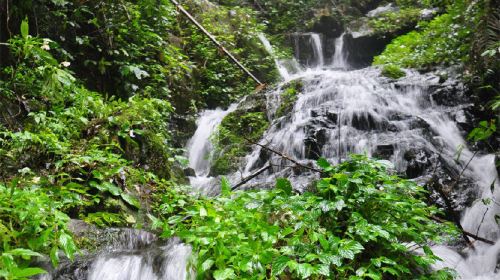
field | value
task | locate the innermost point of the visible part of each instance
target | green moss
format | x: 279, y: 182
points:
x: 393, y: 71
x: 289, y: 96
x: 232, y: 137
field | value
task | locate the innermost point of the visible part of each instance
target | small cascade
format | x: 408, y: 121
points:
x: 340, y: 57
x: 308, y: 50
x: 281, y: 65
x: 317, y: 49
x: 200, y: 148
x: 128, y: 254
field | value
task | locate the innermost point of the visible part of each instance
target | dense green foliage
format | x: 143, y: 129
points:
x: 328, y: 232
x: 87, y: 93
x: 31, y: 223
x: 91, y: 94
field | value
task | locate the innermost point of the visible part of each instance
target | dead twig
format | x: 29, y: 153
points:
x: 251, y: 176
x: 284, y: 156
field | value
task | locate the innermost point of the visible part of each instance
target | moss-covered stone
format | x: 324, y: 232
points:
x: 392, y: 71
x: 289, y: 96
x: 231, y: 140
x: 233, y: 137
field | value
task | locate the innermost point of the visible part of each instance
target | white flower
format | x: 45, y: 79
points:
x: 45, y: 45
x: 66, y: 63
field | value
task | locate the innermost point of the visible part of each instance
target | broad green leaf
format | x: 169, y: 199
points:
x: 304, y: 270
x: 27, y: 272
x: 279, y: 265
x: 284, y: 185
x: 25, y: 28
x: 67, y: 245
x: 131, y: 200
x: 323, y: 163
x: 23, y: 252
x: 225, y: 187
x: 227, y: 273
x: 207, y: 264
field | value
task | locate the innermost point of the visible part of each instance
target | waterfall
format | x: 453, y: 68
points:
x: 317, y: 49
x: 339, y: 112
x: 286, y: 67
x: 200, y: 146
x: 340, y: 56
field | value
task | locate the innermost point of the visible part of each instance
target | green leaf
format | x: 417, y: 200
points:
x: 279, y: 265
x: 67, y: 244
x: 106, y: 187
x: 227, y: 273
x: 131, y: 200
x: 284, y: 185
x: 203, y: 212
x: 304, y: 270
x: 323, y: 163
x: 23, y: 252
x: 206, y: 265
x: 27, y: 272
x: 25, y: 28
x: 225, y: 187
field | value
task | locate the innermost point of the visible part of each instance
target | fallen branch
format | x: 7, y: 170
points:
x: 250, y: 177
x: 219, y: 45
x: 284, y: 156
x: 474, y: 236
x: 449, y: 209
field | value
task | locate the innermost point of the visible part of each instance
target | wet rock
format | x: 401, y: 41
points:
x: 364, y: 122
x: 418, y: 162
x: 304, y: 49
x: 384, y: 151
x: 428, y: 14
x: 381, y: 10
x: 314, y: 143
x: 80, y: 228
x: 330, y: 26
x: 363, y: 47
x: 189, y: 172
x: 448, y: 95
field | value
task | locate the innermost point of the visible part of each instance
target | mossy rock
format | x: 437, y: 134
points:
x: 289, y: 96
x: 231, y: 140
x: 392, y: 71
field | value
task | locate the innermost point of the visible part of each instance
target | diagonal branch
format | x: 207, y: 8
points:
x: 284, y: 156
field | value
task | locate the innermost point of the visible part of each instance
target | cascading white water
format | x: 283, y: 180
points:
x: 280, y: 65
x: 199, y: 146
x: 342, y: 112
x: 317, y: 49
x: 338, y: 112
x: 340, y: 56
x: 145, y: 262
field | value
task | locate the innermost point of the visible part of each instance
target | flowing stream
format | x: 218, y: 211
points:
x: 338, y: 112
x: 405, y: 122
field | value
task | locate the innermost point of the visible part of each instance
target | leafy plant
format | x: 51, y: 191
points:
x: 31, y: 224
x: 331, y: 232
x: 392, y: 71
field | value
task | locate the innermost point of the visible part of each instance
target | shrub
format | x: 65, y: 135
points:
x: 392, y: 71
x: 31, y: 224
x: 357, y: 223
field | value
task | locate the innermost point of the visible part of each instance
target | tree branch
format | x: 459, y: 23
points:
x: 284, y: 156
x: 251, y: 176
